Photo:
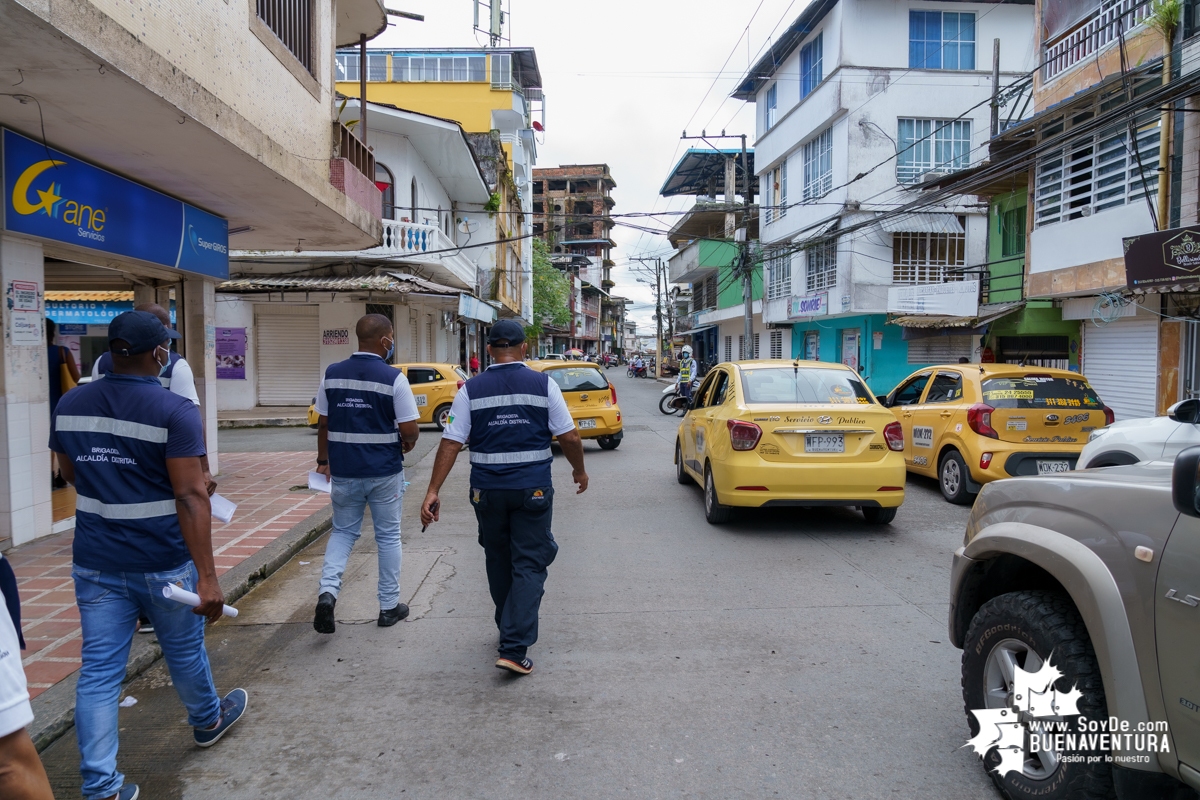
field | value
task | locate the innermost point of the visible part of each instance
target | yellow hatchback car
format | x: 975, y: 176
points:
x: 434, y: 387
x: 781, y: 433
x: 968, y: 424
x: 590, y: 397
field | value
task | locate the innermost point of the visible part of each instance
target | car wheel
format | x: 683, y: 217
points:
x: 607, y: 442
x: 878, y: 516
x: 714, y: 512
x: 441, y: 416
x: 681, y: 475
x: 1023, y: 629
x: 952, y: 478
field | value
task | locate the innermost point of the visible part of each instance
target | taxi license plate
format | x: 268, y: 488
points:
x: 1052, y: 467
x: 824, y: 443
x: 587, y: 423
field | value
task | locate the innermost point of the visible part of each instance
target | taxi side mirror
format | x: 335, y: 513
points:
x: 1185, y: 482
x: 1185, y: 411
x: 885, y: 400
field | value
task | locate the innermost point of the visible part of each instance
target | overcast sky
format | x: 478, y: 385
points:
x: 623, y: 78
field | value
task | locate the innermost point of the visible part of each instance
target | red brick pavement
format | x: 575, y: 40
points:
x: 260, y: 484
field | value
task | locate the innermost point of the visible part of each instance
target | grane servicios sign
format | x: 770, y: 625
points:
x: 58, y: 198
x: 1163, y: 257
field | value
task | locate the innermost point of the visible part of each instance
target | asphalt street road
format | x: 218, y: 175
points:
x: 794, y: 654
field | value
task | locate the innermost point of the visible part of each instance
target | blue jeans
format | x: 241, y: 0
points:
x: 350, y: 497
x: 109, y: 604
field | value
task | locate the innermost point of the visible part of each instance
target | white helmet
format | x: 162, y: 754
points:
x: 687, y: 349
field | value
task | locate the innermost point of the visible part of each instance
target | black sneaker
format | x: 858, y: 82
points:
x: 323, y: 619
x: 59, y: 482
x: 392, y: 616
x: 522, y: 667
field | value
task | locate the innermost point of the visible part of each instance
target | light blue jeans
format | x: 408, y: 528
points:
x: 109, y: 603
x: 350, y: 497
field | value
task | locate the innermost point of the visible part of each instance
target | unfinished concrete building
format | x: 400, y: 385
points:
x: 571, y: 212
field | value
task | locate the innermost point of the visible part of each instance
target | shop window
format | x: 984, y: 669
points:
x: 387, y: 187
x: 1012, y: 232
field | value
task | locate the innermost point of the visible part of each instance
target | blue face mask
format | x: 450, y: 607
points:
x: 162, y: 368
x: 391, y: 352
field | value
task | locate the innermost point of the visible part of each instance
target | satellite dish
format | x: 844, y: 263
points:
x: 467, y: 226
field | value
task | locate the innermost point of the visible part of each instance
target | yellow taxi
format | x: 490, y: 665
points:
x: 782, y: 433
x: 967, y: 424
x: 434, y: 387
x: 590, y: 397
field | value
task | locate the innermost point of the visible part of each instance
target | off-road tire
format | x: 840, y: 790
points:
x: 440, y: 414
x: 958, y: 493
x: 1046, y: 622
x: 878, y: 516
x: 714, y: 512
x: 681, y: 475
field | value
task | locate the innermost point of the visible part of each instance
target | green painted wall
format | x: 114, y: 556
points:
x: 729, y: 288
x: 1037, y: 319
x: 1007, y: 276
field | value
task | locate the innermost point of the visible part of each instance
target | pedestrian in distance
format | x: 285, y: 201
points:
x: 142, y: 522
x: 510, y: 413
x: 368, y: 422
x: 58, y: 357
x: 474, y: 364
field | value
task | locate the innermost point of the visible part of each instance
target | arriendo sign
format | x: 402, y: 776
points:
x: 56, y: 197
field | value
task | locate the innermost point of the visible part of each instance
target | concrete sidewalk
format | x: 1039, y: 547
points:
x: 264, y: 417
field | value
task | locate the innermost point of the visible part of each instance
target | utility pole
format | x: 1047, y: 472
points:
x: 745, y: 263
x: 995, y: 87
x: 658, y: 312
x: 362, y: 89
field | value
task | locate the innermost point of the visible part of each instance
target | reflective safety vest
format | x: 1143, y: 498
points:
x: 687, y: 368
x: 510, y: 428
x: 104, y: 364
x: 363, y: 439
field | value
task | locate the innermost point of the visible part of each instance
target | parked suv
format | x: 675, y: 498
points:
x: 1146, y: 439
x: 1097, y: 572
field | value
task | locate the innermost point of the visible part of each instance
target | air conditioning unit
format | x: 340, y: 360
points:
x: 933, y: 176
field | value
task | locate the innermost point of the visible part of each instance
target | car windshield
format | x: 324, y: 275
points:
x: 1039, y: 391
x: 801, y: 385
x: 578, y: 379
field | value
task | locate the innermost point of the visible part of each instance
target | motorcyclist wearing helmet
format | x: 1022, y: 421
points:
x: 687, y: 373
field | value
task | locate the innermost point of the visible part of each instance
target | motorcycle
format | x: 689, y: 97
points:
x: 674, y: 403
x: 636, y: 372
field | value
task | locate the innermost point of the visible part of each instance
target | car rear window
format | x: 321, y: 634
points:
x: 800, y: 385
x: 578, y: 379
x: 1039, y: 391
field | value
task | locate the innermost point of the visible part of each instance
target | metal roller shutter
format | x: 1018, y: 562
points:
x: 288, y: 354
x: 1120, y: 361
x: 939, y: 350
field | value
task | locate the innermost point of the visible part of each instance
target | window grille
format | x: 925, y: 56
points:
x: 810, y: 66
x: 822, y: 267
x: 776, y: 344
x: 1097, y: 172
x: 291, y: 21
x: 741, y: 347
x: 728, y: 348
x: 756, y: 338
x: 928, y: 257
x: 929, y: 144
x: 779, y: 275
x: 818, y: 165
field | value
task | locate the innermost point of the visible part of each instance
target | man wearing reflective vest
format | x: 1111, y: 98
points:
x: 510, y: 413
x: 142, y: 521
x: 687, y: 373
x: 368, y: 422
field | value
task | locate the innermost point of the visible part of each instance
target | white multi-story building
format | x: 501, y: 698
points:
x: 857, y: 104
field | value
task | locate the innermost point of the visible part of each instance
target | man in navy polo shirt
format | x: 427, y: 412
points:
x: 368, y: 422
x: 142, y: 521
x: 510, y: 413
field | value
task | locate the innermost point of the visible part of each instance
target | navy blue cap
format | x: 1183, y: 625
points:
x: 506, y: 330
x: 141, y: 330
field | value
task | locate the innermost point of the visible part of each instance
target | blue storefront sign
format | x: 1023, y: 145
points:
x: 53, y: 196
x: 85, y: 312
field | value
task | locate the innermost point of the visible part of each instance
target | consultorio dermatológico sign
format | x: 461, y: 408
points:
x: 1163, y: 257
x: 56, y: 197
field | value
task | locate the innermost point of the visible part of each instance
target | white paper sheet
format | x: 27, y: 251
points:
x: 192, y: 599
x: 222, y: 509
x: 318, y: 482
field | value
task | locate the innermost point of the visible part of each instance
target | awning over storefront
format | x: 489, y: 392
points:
x: 920, y: 222
x: 917, y: 326
x: 392, y: 283
x: 701, y: 329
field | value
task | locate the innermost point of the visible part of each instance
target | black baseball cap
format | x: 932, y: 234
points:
x: 141, y: 330
x: 506, y: 330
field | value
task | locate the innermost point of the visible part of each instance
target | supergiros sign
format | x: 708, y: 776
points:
x: 56, y: 197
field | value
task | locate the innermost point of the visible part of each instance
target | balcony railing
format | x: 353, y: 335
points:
x: 426, y: 244
x: 1113, y: 20
x: 351, y: 148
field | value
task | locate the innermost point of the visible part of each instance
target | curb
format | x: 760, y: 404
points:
x: 54, y: 709
x: 262, y: 422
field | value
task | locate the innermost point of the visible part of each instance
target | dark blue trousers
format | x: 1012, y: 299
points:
x: 514, y: 530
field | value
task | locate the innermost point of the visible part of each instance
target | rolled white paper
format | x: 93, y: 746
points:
x: 172, y: 592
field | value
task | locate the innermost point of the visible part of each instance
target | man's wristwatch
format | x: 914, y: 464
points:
x: 321, y: 463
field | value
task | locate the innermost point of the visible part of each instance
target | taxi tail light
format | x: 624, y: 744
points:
x: 985, y: 460
x: 893, y: 433
x: 460, y: 384
x: 979, y: 417
x: 1109, y: 416
x: 613, y: 389
x: 743, y: 435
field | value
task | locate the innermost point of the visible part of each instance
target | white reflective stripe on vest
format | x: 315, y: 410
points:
x: 503, y: 400
x: 518, y: 457
x: 158, y: 508
x: 360, y: 386
x: 363, y: 438
x: 166, y: 382
x: 117, y: 427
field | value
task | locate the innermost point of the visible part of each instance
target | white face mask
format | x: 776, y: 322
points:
x: 162, y: 365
